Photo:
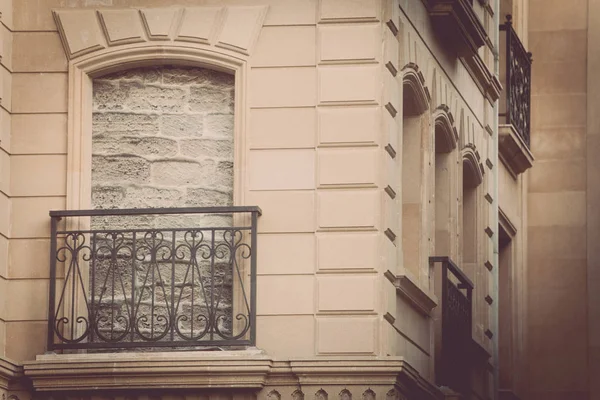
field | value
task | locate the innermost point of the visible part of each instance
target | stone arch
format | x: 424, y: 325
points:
x: 369, y: 394
x: 298, y: 395
x: 416, y: 95
x: 96, y: 44
x: 321, y: 395
x: 345, y: 395
x: 85, y: 68
x: 274, y: 395
x: 446, y: 135
x: 472, y: 167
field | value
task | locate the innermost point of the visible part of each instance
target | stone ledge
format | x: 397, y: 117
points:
x: 9, y: 371
x: 408, y: 288
x: 247, y: 370
x: 512, y: 150
x: 227, y: 369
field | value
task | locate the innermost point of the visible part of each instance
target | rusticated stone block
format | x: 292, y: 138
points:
x: 143, y: 146
x: 211, y: 99
x: 218, y: 125
x: 183, y: 171
x: 200, y: 197
x: 109, y: 123
x: 152, y: 98
x: 124, y: 168
x: 181, y: 125
x: 207, y: 148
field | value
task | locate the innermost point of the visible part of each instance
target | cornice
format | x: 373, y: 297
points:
x: 9, y: 372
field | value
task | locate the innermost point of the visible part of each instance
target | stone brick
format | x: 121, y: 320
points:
x: 218, y: 125
x: 181, y: 125
x: 126, y: 168
x: 107, y: 196
x: 148, y: 196
x: 207, y: 148
x: 200, y: 197
x: 182, y: 172
x: 125, y: 123
x: 151, y: 98
x: 109, y: 95
x: 143, y: 146
x: 211, y: 99
x: 197, y: 76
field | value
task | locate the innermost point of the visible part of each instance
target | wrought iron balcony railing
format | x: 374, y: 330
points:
x: 182, y: 277
x: 515, y: 71
x: 454, y: 364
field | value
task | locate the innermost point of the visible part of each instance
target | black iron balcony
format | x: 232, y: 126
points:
x: 515, y: 76
x: 454, y: 363
x: 183, y: 277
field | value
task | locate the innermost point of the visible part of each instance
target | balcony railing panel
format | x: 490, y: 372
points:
x: 184, y: 278
x: 516, y: 71
x: 454, y: 369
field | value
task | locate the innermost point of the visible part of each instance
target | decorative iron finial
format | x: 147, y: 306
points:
x: 509, y: 19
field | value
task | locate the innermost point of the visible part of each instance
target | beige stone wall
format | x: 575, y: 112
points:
x: 321, y: 105
x: 6, y: 68
x: 560, y: 232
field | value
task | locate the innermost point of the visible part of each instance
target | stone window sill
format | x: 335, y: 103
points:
x: 512, y: 150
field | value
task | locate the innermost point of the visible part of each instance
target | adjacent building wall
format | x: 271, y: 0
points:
x: 562, y: 230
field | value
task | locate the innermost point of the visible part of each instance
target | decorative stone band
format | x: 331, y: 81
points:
x: 233, y: 28
x: 9, y: 372
x: 242, y: 370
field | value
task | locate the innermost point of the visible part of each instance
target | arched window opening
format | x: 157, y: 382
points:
x: 414, y: 145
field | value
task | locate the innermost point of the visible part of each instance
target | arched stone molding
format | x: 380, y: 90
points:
x: 84, y: 68
x: 102, y: 41
x: 416, y: 95
x: 472, y: 167
x: 446, y: 135
x: 87, y: 30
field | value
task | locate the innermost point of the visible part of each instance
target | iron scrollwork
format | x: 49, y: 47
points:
x: 175, y: 287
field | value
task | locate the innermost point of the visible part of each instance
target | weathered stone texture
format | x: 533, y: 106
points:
x: 163, y: 137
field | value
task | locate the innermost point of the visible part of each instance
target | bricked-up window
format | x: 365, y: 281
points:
x: 163, y: 137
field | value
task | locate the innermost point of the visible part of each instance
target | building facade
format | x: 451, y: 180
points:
x: 290, y: 199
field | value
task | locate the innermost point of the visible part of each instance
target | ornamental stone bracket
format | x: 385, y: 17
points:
x: 233, y: 28
x: 512, y: 150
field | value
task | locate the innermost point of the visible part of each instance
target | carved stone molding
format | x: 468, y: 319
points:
x: 407, y: 287
x: 487, y: 82
x: 231, y: 28
x: 415, y: 92
x: 472, y: 164
x: 512, y: 150
x: 446, y: 135
x: 9, y: 372
x: 232, y: 370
